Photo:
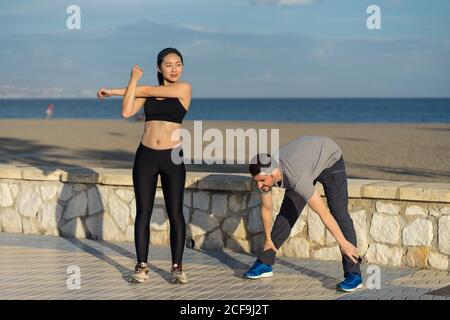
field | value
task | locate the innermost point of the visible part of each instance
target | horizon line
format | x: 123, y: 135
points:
x: 225, y: 98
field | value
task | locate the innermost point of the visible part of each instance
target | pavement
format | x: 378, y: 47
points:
x: 56, y: 268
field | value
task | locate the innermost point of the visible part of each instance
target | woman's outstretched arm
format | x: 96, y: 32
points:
x: 138, y: 102
x: 181, y: 90
x: 105, y: 93
x: 176, y: 90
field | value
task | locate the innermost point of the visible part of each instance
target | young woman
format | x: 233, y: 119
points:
x: 165, y: 107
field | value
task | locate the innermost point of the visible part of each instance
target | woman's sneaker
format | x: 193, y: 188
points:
x: 351, y: 282
x: 259, y: 270
x: 140, y: 273
x: 178, y: 275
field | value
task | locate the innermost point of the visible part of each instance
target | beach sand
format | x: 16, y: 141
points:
x: 406, y: 152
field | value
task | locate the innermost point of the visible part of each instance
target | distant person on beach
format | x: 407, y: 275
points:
x: 49, y: 111
x: 297, y: 167
x: 165, y: 106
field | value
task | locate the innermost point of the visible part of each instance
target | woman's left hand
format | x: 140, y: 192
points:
x: 136, y: 73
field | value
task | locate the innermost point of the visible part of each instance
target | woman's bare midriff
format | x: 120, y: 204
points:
x: 161, y: 134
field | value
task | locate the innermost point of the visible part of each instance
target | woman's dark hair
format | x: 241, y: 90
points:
x: 160, y: 59
x: 262, y: 162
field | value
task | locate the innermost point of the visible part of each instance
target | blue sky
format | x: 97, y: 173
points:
x: 232, y: 48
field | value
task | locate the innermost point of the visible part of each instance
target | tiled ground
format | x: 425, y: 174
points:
x: 35, y: 267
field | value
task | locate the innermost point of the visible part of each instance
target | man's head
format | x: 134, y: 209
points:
x: 261, y: 168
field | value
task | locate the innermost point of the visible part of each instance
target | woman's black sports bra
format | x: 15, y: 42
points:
x: 168, y: 109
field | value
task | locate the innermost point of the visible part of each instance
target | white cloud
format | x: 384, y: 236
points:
x: 197, y: 28
x: 87, y: 94
x: 224, y: 64
x: 13, y: 91
x: 44, y: 91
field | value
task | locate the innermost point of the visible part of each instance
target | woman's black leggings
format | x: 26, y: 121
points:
x: 148, y: 164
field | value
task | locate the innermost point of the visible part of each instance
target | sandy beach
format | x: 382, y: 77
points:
x: 407, y: 152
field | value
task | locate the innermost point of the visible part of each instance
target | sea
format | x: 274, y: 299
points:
x: 308, y: 110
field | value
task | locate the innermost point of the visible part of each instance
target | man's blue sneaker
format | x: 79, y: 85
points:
x: 259, y: 270
x: 351, y: 282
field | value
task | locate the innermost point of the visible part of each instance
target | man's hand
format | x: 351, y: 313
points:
x: 268, y: 244
x: 350, y: 251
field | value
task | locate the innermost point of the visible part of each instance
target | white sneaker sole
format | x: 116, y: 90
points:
x: 360, y: 286
x: 264, y: 275
x: 182, y: 280
x: 138, y: 280
x: 178, y: 281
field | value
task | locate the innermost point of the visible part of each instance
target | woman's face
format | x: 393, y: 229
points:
x: 171, y: 67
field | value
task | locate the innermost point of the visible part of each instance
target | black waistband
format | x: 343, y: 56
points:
x: 159, y: 150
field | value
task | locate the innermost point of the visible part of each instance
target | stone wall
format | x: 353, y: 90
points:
x: 397, y: 223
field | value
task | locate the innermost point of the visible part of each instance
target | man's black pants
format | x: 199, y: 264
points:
x: 334, y: 181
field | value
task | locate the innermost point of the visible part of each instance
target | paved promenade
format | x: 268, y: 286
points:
x: 45, y: 267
